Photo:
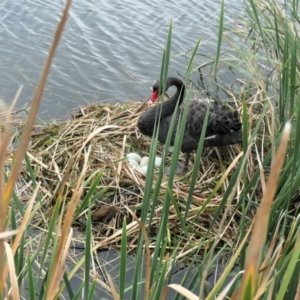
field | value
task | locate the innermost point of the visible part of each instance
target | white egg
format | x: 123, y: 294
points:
x: 144, y: 161
x: 158, y: 161
x: 170, y: 149
x: 133, y: 163
x: 133, y: 156
x: 142, y: 170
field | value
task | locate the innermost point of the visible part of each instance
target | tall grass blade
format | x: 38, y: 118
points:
x: 217, y: 287
x: 77, y: 294
x: 31, y: 286
x: 66, y: 232
x: 88, y: 199
x: 88, y: 255
x: 262, y: 218
x: 68, y: 287
x: 12, y: 273
x: 92, y: 290
x: 220, y: 35
x: 136, y: 291
x: 290, y: 270
x: 123, y: 260
x: 258, y: 24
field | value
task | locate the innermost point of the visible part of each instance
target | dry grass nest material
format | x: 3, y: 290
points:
x: 52, y: 147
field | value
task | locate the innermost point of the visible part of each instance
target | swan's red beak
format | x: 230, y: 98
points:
x: 153, y: 97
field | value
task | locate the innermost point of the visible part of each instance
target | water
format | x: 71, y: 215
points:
x: 110, y: 51
x: 108, y: 263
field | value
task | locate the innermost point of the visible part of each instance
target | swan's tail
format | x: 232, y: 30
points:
x: 230, y: 121
x: 236, y: 124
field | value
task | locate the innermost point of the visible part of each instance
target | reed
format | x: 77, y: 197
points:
x: 235, y: 209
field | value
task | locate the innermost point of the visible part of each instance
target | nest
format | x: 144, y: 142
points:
x: 53, y: 147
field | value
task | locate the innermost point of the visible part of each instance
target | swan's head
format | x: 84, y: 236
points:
x: 157, y: 90
x: 154, y: 95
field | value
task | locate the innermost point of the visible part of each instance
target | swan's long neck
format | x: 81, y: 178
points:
x: 169, y: 106
x: 147, y: 120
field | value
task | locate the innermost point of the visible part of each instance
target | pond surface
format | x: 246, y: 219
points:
x: 110, y: 51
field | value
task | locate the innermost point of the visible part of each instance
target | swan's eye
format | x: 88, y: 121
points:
x: 154, y: 96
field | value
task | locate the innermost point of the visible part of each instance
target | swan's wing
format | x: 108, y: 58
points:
x: 225, y: 122
x: 196, y: 116
x: 220, y: 121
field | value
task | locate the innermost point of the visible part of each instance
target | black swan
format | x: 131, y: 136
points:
x: 223, y: 127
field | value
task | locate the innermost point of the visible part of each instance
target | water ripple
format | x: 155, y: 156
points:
x: 109, y: 50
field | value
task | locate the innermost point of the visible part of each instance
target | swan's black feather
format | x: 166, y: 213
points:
x: 221, y: 121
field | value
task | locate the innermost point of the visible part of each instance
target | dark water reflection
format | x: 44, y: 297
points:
x: 110, y: 265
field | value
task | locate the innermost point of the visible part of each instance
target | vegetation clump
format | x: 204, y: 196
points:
x: 111, y: 132
x: 75, y: 174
